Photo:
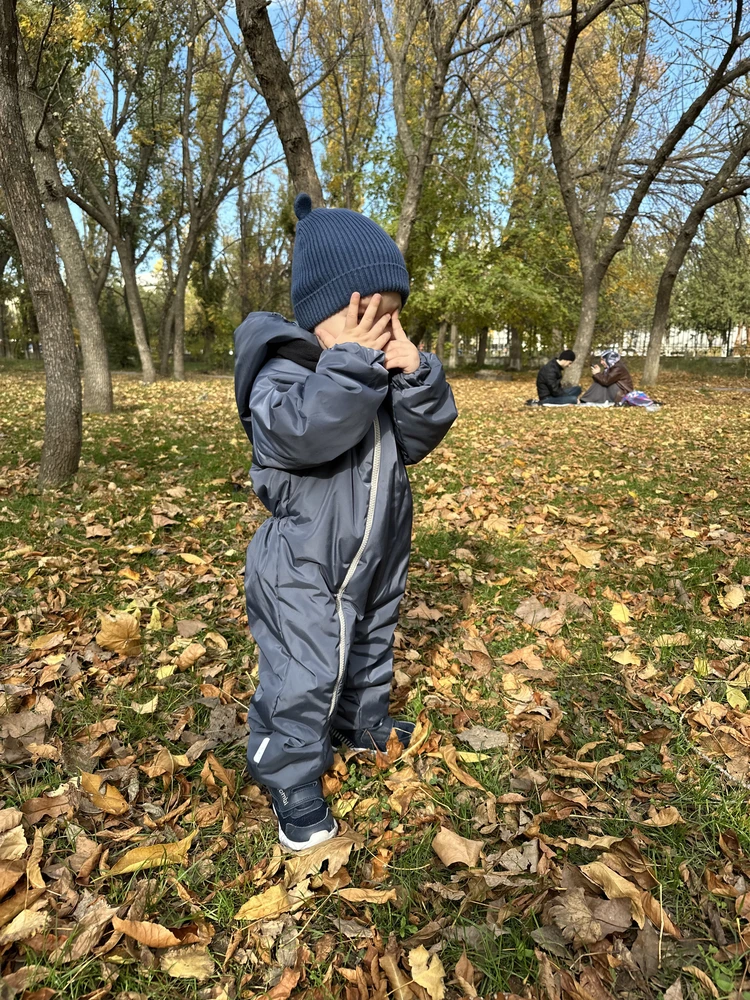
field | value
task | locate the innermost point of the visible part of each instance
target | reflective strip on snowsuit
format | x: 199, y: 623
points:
x: 326, y: 573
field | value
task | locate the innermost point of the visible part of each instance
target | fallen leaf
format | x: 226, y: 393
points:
x: 423, y: 612
x: 448, y: 753
x: 192, y: 962
x: 481, y: 738
x: 110, y: 801
x: 589, y: 559
x: 145, y: 932
x: 120, y: 634
x: 455, y: 850
x: 625, y: 658
x: 13, y: 844
x: 532, y: 611
x: 24, y: 926
x: 368, y: 895
x: 147, y: 708
x: 335, y: 852
x: 616, y: 887
x: 663, y: 817
x: 190, y: 656
x: 190, y: 627
x: 674, y: 639
x: 155, y: 856
x: 465, y: 975
x: 575, y: 920
x: 734, y: 596
x: 266, y: 904
x: 619, y: 613
x: 702, y: 978
x: 428, y: 972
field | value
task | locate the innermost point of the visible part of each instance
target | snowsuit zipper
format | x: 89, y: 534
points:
x: 372, y: 500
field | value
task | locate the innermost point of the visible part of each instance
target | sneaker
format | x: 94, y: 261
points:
x: 376, y: 738
x: 303, y: 815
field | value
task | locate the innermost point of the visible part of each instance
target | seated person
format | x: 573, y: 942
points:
x: 612, y: 380
x: 549, y: 385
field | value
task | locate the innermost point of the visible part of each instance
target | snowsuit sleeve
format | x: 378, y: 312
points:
x: 423, y: 409
x: 301, y: 424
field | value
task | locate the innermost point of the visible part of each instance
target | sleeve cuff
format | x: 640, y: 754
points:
x: 405, y: 381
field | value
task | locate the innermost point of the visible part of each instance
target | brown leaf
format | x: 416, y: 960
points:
x: 424, y: 613
x: 616, y: 887
x: 190, y: 656
x: 455, y: 850
x: 575, y: 920
x: 663, y: 817
x: 53, y: 804
x: 525, y: 655
x: 283, y: 989
x: 398, y: 980
x: 465, y: 975
x: 13, y: 844
x: 145, y: 932
x: 120, y: 633
x: 702, y: 978
x: 448, y: 753
x: 309, y: 862
x: 24, y: 926
x: 531, y: 611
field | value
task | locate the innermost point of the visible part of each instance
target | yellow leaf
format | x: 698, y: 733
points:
x: 589, y: 559
x: 191, y: 558
x: 217, y: 640
x: 48, y: 641
x: 154, y: 623
x: 675, y: 639
x: 110, y: 801
x: 266, y: 905
x: 120, y: 634
x: 428, y: 972
x: 190, y: 656
x: 145, y: 932
x: 455, y: 850
x: 616, y: 887
x: 193, y: 962
x: 156, y: 856
x: 368, y: 895
x: 147, y: 708
x: 734, y: 596
x: 619, y: 613
x: 626, y: 658
x: 689, y: 533
x: 736, y: 698
x: 685, y: 686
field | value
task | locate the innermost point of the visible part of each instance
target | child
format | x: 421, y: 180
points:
x: 335, y: 409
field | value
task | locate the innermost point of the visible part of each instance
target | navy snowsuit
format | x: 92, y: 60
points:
x: 326, y: 573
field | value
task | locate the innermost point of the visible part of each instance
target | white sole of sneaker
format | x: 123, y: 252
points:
x: 317, y: 838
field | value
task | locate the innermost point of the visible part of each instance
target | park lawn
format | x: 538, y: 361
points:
x: 580, y: 587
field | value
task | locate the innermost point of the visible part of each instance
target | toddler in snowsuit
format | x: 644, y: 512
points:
x: 335, y: 408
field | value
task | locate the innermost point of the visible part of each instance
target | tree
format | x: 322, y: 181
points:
x: 277, y: 87
x: 97, y: 383
x: 602, y: 198
x: 62, y: 405
x: 723, y: 186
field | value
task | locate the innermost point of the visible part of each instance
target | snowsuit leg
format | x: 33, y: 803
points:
x: 298, y: 664
x: 364, y: 699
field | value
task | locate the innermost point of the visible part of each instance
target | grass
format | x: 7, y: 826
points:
x: 661, y: 496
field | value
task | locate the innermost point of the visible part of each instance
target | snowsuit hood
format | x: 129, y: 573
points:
x: 255, y: 340
x: 326, y: 573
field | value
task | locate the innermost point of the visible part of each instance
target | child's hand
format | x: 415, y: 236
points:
x: 595, y: 369
x: 400, y: 352
x: 365, y: 331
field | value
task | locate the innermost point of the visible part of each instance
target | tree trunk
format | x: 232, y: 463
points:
x: 278, y: 91
x: 61, y: 451
x: 135, y: 308
x: 178, y: 362
x: 4, y: 343
x: 453, y: 362
x: 243, y: 278
x: 482, y: 346
x: 586, y: 327
x: 440, y: 345
x: 166, y: 334
x: 515, y: 351
x: 97, y: 384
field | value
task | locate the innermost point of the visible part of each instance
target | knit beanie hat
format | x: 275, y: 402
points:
x: 338, y: 252
x: 567, y: 356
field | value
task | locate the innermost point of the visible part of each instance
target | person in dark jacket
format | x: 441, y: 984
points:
x: 336, y: 408
x: 549, y: 385
x: 612, y: 380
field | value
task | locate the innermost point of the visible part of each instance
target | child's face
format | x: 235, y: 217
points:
x: 334, y: 325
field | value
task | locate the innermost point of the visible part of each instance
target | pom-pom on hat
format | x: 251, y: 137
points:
x: 338, y: 252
